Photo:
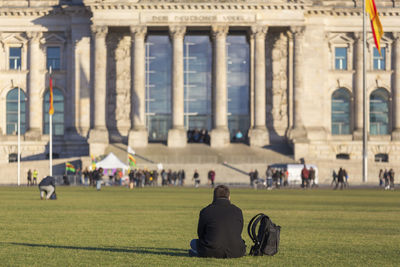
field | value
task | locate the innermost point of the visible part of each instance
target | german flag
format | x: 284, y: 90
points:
x: 69, y: 167
x: 376, y: 26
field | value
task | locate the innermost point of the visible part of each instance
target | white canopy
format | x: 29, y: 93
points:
x: 111, y: 162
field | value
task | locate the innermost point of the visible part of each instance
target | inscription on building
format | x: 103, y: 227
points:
x: 199, y: 18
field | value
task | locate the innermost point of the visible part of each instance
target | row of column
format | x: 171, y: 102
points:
x: 177, y: 135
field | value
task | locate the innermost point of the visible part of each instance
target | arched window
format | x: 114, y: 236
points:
x: 12, y: 112
x: 379, y: 112
x: 58, y: 116
x: 341, y: 112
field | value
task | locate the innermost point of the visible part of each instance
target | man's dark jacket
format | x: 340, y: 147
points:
x: 219, y: 230
x: 49, y: 180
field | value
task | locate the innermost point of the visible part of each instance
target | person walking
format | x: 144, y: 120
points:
x: 380, y: 176
x: 334, y: 178
x: 340, y: 179
x: 312, y: 177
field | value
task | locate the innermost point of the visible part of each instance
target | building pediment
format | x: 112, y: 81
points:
x: 13, y: 38
x: 53, y: 38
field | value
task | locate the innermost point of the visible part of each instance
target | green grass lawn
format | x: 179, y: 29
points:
x: 153, y: 227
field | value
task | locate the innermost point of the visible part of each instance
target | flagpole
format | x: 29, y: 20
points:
x: 19, y: 136
x: 365, y: 117
x: 50, y: 134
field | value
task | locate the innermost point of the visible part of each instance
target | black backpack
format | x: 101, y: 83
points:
x: 267, y: 240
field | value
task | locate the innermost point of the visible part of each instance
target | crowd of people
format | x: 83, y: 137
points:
x: 275, y: 178
x: 198, y: 136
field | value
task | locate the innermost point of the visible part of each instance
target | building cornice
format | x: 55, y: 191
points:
x: 197, y: 6
x: 43, y: 11
x: 351, y: 12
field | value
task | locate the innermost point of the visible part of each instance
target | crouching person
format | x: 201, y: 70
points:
x: 219, y: 229
x: 47, y: 186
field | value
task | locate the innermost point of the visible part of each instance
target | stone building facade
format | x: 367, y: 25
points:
x: 135, y: 71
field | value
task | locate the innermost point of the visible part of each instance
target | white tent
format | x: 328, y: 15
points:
x: 111, y: 162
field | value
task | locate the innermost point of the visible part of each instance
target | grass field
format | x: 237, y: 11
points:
x: 153, y: 227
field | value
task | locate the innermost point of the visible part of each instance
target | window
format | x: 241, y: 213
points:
x: 341, y: 58
x: 382, y: 157
x: 379, y: 60
x: 15, y: 58
x: 343, y: 156
x: 197, y: 78
x: 12, y: 112
x: 379, y: 112
x: 238, y: 62
x: 53, y: 58
x: 58, y: 116
x: 340, y: 112
x: 158, y: 86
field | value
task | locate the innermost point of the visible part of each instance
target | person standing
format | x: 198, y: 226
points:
x: 86, y: 174
x: 268, y: 174
x: 98, y: 177
x: 35, y: 175
x: 334, y: 178
x: 304, y: 177
x: 391, y: 179
x: 386, y: 179
x: 196, y: 178
x: 312, y: 176
x: 211, y: 177
x: 219, y: 229
x: 29, y: 177
x: 380, y: 176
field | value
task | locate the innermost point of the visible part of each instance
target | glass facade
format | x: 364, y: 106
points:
x: 12, y: 112
x: 14, y: 58
x: 58, y: 116
x: 53, y: 58
x: 238, y: 84
x: 379, y: 59
x: 379, y: 112
x: 197, y: 82
x: 340, y: 112
x: 158, y: 86
x: 340, y: 58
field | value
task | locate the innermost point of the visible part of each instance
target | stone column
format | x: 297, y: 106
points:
x: 298, y: 131
x: 396, y: 89
x: 98, y: 136
x: 290, y: 80
x: 258, y: 135
x: 358, y: 88
x: 177, y: 135
x: 220, y: 134
x: 138, y: 136
x: 34, y: 83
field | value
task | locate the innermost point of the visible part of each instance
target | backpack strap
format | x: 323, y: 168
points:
x: 251, y: 228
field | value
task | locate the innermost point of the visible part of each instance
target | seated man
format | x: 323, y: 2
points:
x: 220, y: 228
x: 47, y: 185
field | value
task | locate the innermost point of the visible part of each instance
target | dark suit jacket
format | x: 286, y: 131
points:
x: 219, y: 230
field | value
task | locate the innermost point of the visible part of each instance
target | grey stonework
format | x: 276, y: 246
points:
x: 102, y: 71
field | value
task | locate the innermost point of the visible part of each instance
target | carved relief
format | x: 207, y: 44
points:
x: 277, y: 82
x: 118, y: 83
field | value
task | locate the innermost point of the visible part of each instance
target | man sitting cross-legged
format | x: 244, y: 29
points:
x: 219, y: 229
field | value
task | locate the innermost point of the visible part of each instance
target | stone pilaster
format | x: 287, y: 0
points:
x: 396, y: 89
x: 98, y: 136
x: 258, y: 135
x: 220, y: 134
x: 298, y: 131
x: 35, y: 108
x: 177, y: 135
x: 138, y: 136
x: 358, y: 88
x: 290, y: 80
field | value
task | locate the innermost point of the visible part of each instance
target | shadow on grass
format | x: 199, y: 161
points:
x: 139, y: 250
